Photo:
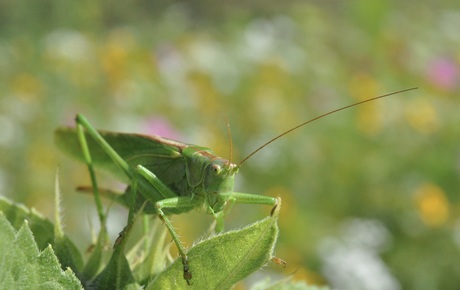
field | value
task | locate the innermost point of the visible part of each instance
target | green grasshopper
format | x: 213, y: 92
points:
x: 165, y: 176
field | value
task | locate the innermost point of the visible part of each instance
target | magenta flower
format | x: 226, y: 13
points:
x: 443, y: 73
x: 161, y: 127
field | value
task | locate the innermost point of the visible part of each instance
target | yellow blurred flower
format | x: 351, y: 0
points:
x: 115, y: 55
x: 422, y: 116
x: 308, y: 275
x: 363, y: 87
x: 26, y: 86
x: 114, y: 61
x: 288, y: 205
x: 433, y: 206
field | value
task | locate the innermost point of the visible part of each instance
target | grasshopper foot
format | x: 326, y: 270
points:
x: 279, y: 261
x: 187, y: 272
x: 120, y: 238
x: 277, y: 203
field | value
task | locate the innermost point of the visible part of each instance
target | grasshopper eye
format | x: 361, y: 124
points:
x: 216, y: 168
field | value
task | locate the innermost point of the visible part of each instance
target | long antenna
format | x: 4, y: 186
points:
x: 229, y: 133
x: 319, y: 117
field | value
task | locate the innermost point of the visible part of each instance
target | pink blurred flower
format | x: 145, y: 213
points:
x: 161, y: 127
x: 443, y: 73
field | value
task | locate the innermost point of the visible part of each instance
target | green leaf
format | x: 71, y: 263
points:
x: 42, y: 228
x: 221, y: 261
x: 65, y: 250
x: 43, y: 232
x: 285, y: 284
x: 94, y: 261
x: 149, y: 256
x: 116, y: 275
x: 23, y: 266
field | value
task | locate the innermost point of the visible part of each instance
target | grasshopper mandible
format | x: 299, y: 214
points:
x: 165, y: 176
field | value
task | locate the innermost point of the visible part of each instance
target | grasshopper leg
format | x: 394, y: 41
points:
x: 173, y: 202
x: 82, y: 126
x: 89, y: 163
x: 255, y: 199
x: 239, y: 197
x: 167, y: 198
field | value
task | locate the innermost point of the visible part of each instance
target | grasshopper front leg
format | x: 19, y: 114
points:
x: 249, y: 198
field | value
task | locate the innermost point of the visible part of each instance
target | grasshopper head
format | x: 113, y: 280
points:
x: 219, y: 181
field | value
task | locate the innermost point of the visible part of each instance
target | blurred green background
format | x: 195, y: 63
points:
x: 370, y: 195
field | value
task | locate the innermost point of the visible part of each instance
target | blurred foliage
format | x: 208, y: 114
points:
x: 371, y: 195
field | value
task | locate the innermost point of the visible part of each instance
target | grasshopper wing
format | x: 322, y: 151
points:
x: 160, y: 155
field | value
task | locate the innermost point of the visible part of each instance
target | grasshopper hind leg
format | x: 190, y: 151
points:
x: 89, y: 163
x: 154, y: 192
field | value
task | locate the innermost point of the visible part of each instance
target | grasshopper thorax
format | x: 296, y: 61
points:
x: 211, y: 177
x: 218, y: 183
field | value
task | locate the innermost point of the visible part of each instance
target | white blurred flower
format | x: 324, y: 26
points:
x: 68, y: 45
x: 353, y: 262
